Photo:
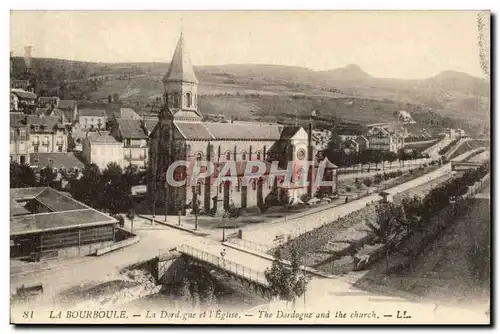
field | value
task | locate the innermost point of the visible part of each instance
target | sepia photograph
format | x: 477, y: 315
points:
x: 250, y: 167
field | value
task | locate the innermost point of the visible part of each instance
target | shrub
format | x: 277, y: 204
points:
x: 368, y: 182
x: 305, y: 198
x: 348, y: 189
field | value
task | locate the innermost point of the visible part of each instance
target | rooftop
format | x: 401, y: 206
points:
x: 229, y: 131
x: 103, y: 139
x: 126, y: 113
x: 23, y: 94
x: 92, y: 112
x: 180, y: 69
x: 59, y: 160
x: 131, y: 128
x: 65, y: 212
x: 66, y: 104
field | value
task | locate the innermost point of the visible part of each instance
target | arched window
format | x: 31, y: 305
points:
x: 199, y: 156
x: 254, y: 184
x: 198, y: 188
x: 258, y: 155
x: 176, y: 100
x: 243, y: 155
x: 228, y: 156
x: 188, y: 100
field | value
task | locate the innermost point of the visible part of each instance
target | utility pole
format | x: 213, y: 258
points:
x: 304, y: 280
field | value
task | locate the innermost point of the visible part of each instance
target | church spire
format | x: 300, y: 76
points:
x: 181, y: 69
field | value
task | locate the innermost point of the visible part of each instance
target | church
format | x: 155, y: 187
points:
x: 180, y: 134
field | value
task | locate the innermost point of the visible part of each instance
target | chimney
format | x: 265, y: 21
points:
x: 27, y: 56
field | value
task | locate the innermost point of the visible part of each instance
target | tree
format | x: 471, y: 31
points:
x: 21, y: 176
x: 110, y: 98
x: 334, y: 142
x: 413, y: 209
x: 88, y: 188
x: 47, y: 175
x: 121, y: 220
x: 115, y: 189
x: 390, y: 219
x: 283, y: 279
x: 391, y: 157
x: 131, y: 216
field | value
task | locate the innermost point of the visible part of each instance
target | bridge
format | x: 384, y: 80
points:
x: 251, y: 274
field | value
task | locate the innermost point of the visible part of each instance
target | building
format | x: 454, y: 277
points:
x: 180, y: 134
x: 19, y: 138
x: 45, y: 223
x: 70, y: 109
x: 353, y: 143
x: 14, y: 102
x: 21, y: 84
x: 135, y: 141
x: 92, y: 119
x: 59, y: 162
x: 46, y: 101
x: 24, y: 99
x: 384, y: 140
x: 149, y: 123
x: 102, y: 149
x: 46, y: 134
x: 126, y: 113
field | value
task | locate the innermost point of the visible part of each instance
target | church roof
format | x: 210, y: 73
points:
x: 289, y: 131
x: 193, y: 130
x: 246, y: 131
x: 228, y: 131
x: 180, y: 69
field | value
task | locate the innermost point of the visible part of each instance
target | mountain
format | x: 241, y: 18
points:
x: 457, y: 81
x: 449, y: 93
x: 347, y: 73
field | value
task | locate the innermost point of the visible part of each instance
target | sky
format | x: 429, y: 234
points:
x: 391, y: 44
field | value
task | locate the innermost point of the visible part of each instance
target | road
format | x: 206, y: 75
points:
x: 266, y: 233
x: 482, y: 157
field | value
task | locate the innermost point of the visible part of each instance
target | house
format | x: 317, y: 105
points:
x: 19, y: 138
x: 46, y: 134
x: 135, y: 141
x: 43, y: 224
x: 44, y: 101
x: 70, y: 109
x: 92, y: 119
x: 149, y: 123
x: 354, y: 143
x: 24, y: 98
x: 126, y: 113
x: 21, y: 84
x: 14, y: 102
x: 384, y: 140
x: 59, y: 162
x: 101, y: 149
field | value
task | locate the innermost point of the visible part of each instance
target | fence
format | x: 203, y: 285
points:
x: 261, y: 248
x: 227, y: 265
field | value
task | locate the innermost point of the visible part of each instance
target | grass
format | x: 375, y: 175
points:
x: 454, y: 266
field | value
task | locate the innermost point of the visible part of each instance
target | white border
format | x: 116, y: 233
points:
x: 184, y: 4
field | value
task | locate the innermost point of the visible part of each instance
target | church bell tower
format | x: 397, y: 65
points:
x: 181, y: 85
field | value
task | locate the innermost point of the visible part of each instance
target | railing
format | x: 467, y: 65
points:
x: 227, y: 265
x: 261, y: 248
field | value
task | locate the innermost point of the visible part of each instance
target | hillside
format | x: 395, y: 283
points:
x: 453, y: 94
